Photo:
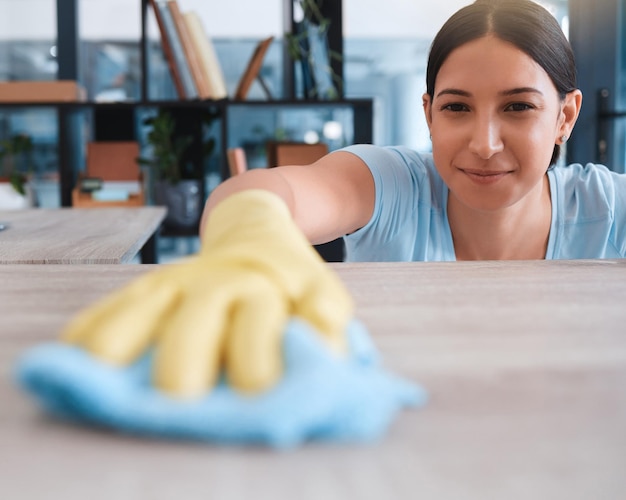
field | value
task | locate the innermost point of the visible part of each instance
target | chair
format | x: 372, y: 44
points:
x: 114, y: 163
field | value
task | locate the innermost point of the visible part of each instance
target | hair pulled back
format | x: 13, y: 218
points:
x: 523, y: 23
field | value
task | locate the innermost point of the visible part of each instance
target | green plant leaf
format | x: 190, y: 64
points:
x: 18, y: 181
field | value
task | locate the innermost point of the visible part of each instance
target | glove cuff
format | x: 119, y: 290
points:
x: 257, y: 199
x: 253, y: 213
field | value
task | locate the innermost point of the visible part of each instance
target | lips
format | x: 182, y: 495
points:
x: 484, y: 176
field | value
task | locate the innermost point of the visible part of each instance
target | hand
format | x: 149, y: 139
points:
x: 224, y: 309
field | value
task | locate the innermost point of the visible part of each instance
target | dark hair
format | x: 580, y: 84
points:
x: 525, y: 24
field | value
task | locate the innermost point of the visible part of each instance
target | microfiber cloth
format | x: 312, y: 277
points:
x: 319, y: 397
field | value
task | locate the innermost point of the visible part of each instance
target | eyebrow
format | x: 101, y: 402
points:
x: 509, y: 92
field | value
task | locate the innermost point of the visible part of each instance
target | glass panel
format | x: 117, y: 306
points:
x: 42, y: 162
x: 109, y: 34
x: 252, y: 19
x: 251, y: 127
x: 27, y: 42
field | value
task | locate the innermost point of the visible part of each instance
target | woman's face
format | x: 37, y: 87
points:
x: 494, y: 120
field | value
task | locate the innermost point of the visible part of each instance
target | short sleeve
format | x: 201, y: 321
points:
x: 409, y: 221
x: 589, y: 212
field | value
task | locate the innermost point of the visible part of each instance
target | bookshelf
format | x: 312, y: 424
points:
x: 118, y: 121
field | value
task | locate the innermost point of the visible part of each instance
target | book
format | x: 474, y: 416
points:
x: 160, y: 8
x: 193, y: 58
x: 208, y: 57
x: 42, y: 91
x: 251, y: 72
x: 177, y: 49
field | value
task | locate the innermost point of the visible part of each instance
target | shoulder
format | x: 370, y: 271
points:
x: 398, y: 162
x: 409, y: 219
x: 373, y: 154
x: 592, y: 189
x: 589, y: 208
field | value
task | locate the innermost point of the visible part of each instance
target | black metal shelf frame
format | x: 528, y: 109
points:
x: 108, y: 117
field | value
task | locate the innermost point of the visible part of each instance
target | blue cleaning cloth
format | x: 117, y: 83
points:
x: 320, y: 395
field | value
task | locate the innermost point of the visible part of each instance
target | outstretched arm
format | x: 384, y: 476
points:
x: 225, y: 309
x: 327, y: 199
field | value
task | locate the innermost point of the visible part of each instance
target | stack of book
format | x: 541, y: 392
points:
x: 192, y: 59
x: 189, y: 52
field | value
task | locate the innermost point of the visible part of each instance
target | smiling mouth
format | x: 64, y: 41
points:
x: 484, y: 177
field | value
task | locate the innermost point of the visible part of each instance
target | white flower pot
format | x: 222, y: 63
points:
x: 10, y: 199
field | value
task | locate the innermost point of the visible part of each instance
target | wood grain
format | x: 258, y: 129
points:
x: 525, y: 364
x: 77, y: 235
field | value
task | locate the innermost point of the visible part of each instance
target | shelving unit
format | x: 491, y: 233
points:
x: 118, y: 121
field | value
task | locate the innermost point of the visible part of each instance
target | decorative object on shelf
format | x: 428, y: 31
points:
x: 42, y: 91
x: 237, y: 162
x: 178, y: 185
x: 252, y: 71
x: 15, y: 193
x: 308, y: 45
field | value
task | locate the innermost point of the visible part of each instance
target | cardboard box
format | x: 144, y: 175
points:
x: 42, y: 91
x: 294, y: 153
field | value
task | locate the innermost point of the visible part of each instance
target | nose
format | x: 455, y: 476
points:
x: 486, y: 138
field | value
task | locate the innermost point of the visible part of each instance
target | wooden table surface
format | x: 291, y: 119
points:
x: 77, y: 235
x: 525, y: 363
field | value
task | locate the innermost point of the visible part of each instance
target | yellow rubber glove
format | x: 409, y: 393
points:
x: 226, y: 307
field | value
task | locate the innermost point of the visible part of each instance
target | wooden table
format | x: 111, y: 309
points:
x: 525, y: 363
x: 79, y: 235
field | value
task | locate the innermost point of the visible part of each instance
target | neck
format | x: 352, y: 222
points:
x: 517, y: 232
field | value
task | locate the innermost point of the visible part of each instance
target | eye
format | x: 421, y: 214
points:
x: 455, y: 107
x: 519, y: 106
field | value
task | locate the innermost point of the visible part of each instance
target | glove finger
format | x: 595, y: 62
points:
x: 121, y: 326
x: 327, y: 305
x: 189, y: 352
x: 254, y: 344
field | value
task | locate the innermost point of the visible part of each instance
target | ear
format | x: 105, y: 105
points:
x: 570, y: 109
x: 427, y: 103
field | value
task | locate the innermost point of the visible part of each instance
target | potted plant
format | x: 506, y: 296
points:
x: 177, y: 181
x: 14, y: 161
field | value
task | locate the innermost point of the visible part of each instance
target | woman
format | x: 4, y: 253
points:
x: 501, y: 99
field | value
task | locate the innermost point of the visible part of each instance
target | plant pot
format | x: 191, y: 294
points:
x: 10, y: 199
x: 183, y: 201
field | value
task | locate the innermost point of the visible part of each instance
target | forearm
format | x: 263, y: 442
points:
x: 327, y: 199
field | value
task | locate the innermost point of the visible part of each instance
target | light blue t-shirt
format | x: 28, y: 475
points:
x: 410, y: 220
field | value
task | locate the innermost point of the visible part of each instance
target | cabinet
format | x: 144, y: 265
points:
x: 235, y: 126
